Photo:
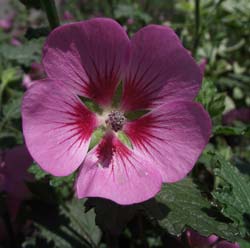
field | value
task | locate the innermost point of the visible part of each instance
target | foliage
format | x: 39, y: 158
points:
x: 233, y: 194
x: 213, y: 199
x: 183, y: 206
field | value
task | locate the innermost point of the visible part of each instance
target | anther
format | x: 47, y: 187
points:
x: 116, y: 120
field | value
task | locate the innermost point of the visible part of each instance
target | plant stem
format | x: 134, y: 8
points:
x: 197, y: 25
x: 51, y: 12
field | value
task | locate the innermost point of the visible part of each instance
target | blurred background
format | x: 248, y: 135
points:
x: 42, y: 213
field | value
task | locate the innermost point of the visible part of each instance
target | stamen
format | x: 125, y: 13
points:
x: 116, y: 120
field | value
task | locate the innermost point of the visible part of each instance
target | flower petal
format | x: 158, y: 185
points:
x: 226, y: 244
x: 173, y: 135
x: 113, y: 171
x: 57, y: 127
x: 160, y: 70
x: 89, y: 56
x: 196, y: 240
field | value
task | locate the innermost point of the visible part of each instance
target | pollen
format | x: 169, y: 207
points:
x: 116, y: 120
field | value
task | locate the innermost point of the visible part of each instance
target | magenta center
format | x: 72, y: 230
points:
x: 116, y: 120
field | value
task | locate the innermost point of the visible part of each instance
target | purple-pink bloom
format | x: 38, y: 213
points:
x: 90, y: 59
x: 13, y: 176
x: 241, y: 114
x: 202, y: 65
x: 7, y: 22
x: 15, y: 42
x: 195, y: 240
x: 67, y: 16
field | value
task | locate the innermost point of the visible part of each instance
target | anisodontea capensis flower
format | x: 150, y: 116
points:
x: 195, y: 240
x: 90, y: 59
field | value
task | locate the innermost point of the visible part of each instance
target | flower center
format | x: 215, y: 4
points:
x: 115, y: 120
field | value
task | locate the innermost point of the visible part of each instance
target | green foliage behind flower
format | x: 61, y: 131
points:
x: 214, y: 199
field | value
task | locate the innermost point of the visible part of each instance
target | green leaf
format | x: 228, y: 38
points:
x: 183, y: 206
x: 7, y: 76
x: 91, y: 105
x: 117, y: 96
x: 24, y: 54
x: 11, y: 110
x: 61, y: 181
x: 81, y: 221
x: 133, y: 115
x: 211, y: 99
x: 232, y: 130
x: 10, y: 74
x: 124, y: 139
x: 68, y: 226
x: 96, y: 137
x: 37, y: 171
x: 243, y: 243
x: 111, y: 216
x: 233, y: 194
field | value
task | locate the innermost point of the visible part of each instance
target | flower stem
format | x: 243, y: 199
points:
x: 197, y: 25
x: 51, y: 12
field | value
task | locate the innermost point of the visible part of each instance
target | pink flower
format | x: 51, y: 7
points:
x: 67, y: 16
x: 195, y: 240
x: 241, y: 114
x: 89, y: 59
x: 13, y: 175
x: 15, y: 42
x: 7, y: 22
x: 130, y: 21
x: 202, y: 65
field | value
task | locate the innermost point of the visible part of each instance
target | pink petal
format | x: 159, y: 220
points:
x: 27, y: 81
x: 89, y: 56
x: 113, y: 171
x: 202, y: 65
x: 173, y: 136
x: 57, y: 127
x: 5, y: 24
x: 160, y: 70
x: 196, y: 240
x: 226, y: 244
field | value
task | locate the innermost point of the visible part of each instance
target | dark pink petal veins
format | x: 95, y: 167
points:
x: 113, y: 171
x: 57, y: 127
x: 173, y: 136
x: 160, y: 70
x: 88, y: 56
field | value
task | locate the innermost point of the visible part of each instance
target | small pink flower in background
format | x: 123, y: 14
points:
x: 202, y: 65
x: 13, y: 175
x: 195, y: 240
x: 241, y: 114
x: 130, y: 21
x: 67, y: 16
x: 90, y: 59
x: 6, y: 23
x: 36, y: 72
x: 15, y: 42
